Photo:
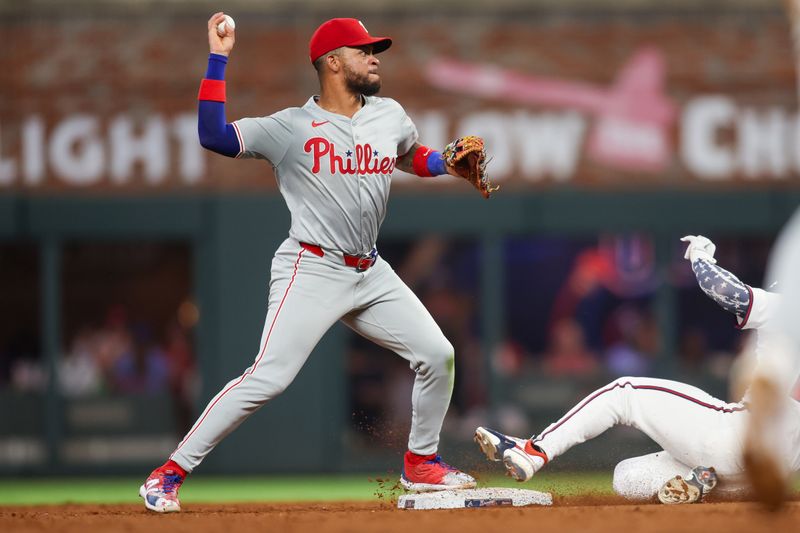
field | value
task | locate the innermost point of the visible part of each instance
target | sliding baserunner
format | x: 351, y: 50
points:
x: 701, y: 436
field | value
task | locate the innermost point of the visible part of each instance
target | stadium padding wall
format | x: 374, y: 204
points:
x: 233, y: 238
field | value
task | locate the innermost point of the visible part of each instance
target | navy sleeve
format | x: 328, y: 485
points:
x: 215, y: 134
x: 722, y: 287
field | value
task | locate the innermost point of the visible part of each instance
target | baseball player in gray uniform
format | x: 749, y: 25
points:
x: 699, y: 434
x: 333, y: 159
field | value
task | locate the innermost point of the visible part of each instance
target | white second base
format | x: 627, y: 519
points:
x: 467, y: 498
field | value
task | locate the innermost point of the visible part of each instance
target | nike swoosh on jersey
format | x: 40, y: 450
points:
x: 315, y: 124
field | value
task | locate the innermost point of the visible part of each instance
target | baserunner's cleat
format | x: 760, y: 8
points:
x: 520, y: 457
x: 689, y: 489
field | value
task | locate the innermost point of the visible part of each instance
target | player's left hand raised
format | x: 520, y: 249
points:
x: 466, y: 158
x: 699, y: 248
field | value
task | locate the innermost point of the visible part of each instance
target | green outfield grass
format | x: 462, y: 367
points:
x: 210, y: 489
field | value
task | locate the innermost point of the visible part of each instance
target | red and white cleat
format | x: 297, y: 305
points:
x: 519, y: 456
x: 160, y: 491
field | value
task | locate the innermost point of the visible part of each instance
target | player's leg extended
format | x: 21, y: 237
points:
x: 305, y: 299
x: 391, y: 315
x: 691, y: 425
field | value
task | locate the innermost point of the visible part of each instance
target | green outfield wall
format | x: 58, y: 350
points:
x: 232, y: 239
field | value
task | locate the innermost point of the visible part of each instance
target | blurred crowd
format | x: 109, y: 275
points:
x: 578, y: 313
x: 116, y: 356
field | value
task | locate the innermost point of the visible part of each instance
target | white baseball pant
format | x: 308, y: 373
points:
x: 692, y: 427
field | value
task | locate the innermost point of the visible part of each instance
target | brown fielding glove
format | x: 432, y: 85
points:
x: 468, y: 158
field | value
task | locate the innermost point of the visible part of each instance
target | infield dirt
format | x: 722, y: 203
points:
x: 584, y: 514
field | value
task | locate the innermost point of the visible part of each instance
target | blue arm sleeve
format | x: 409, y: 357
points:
x: 215, y: 134
x: 722, y: 287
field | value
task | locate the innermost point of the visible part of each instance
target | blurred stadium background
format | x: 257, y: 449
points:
x: 134, y: 265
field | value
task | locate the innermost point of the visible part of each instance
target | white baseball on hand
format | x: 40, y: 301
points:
x: 699, y: 248
x: 223, y: 26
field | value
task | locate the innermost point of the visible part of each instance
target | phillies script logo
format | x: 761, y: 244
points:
x: 366, y: 159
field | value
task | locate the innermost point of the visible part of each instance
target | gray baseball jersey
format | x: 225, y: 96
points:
x: 334, y: 172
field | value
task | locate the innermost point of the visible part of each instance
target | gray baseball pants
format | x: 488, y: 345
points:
x: 307, y: 295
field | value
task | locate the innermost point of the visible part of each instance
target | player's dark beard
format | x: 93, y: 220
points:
x: 361, y: 84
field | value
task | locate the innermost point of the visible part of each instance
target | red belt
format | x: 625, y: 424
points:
x: 359, y: 262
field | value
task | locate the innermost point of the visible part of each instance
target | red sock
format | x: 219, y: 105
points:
x: 412, y: 459
x: 172, y: 465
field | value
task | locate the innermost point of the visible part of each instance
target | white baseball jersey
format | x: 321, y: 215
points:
x: 783, y: 268
x: 334, y: 172
x: 762, y: 312
x: 772, y: 345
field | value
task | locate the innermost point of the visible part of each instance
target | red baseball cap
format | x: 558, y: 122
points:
x: 335, y: 33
